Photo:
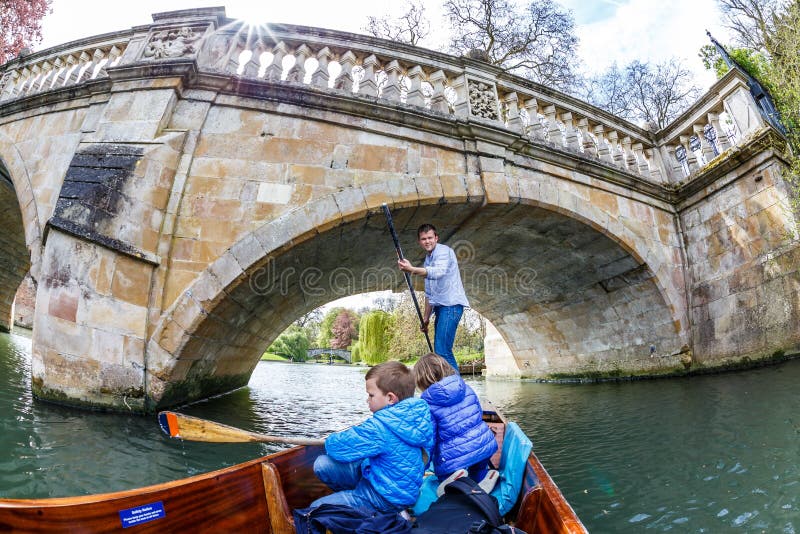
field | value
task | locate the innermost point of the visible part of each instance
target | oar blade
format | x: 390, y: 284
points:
x: 190, y: 428
x: 169, y: 424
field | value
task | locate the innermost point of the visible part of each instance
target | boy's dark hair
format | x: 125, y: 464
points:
x: 430, y: 369
x: 427, y: 228
x: 393, y: 377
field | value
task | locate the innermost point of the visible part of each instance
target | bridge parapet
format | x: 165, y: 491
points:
x: 722, y: 119
x: 419, y: 78
x: 405, y: 75
x: 63, y: 66
x: 343, y: 62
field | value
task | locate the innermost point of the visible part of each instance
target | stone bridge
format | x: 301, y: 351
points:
x: 339, y: 353
x: 180, y: 192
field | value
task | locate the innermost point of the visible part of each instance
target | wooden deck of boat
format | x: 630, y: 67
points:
x: 255, y: 496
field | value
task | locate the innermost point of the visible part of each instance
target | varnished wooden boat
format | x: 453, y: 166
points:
x: 255, y: 496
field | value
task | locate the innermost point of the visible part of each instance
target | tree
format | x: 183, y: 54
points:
x: 411, y: 27
x: 373, y: 337
x: 752, y: 21
x: 344, y: 329
x: 387, y: 304
x: 292, y: 343
x: 609, y: 91
x: 753, y: 62
x: 310, y: 322
x: 470, y: 333
x: 406, y: 341
x: 661, y: 92
x: 648, y: 93
x: 20, y: 25
x: 536, y: 40
x: 784, y: 73
x: 324, y: 335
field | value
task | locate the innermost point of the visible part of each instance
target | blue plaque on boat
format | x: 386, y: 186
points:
x: 142, y: 514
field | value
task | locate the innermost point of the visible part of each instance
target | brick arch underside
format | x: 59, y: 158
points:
x: 15, y: 259
x: 564, y: 296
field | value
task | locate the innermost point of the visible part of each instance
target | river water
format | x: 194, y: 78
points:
x: 717, y: 453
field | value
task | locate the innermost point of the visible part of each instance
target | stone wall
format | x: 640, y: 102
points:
x: 743, y: 260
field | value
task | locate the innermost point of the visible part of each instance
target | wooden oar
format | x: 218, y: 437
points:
x: 190, y: 428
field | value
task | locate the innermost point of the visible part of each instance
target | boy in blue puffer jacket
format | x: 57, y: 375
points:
x: 378, y: 465
x: 463, y: 441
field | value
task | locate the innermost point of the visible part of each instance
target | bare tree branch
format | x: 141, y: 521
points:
x: 643, y: 92
x: 411, y: 27
x: 751, y: 21
x: 536, y: 40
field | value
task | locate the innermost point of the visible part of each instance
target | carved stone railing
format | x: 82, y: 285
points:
x: 722, y: 119
x: 62, y: 66
x: 421, y: 78
x: 379, y: 70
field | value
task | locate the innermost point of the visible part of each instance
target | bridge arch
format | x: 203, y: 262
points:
x: 19, y: 176
x: 210, y: 339
x: 19, y: 231
x: 339, y: 353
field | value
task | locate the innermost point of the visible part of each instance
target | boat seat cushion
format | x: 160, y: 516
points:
x: 516, y: 449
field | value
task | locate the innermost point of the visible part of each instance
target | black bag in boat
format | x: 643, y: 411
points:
x: 339, y: 519
x: 463, y: 509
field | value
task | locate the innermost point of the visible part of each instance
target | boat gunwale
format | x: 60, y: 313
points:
x: 144, y: 490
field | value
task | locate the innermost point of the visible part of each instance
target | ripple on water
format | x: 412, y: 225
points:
x: 743, y: 518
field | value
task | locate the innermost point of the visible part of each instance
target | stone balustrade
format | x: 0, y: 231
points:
x: 66, y: 65
x: 723, y: 118
x: 411, y: 76
x: 397, y: 73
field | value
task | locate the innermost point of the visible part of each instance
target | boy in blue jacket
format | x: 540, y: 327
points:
x: 378, y: 465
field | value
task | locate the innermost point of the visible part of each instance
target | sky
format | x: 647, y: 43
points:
x: 609, y: 30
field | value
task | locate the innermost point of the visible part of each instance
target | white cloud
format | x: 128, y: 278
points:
x: 652, y: 30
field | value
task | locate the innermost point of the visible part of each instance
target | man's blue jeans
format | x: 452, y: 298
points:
x: 351, y: 488
x: 447, y: 318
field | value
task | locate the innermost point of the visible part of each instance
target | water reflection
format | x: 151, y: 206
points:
x: 707, y: 454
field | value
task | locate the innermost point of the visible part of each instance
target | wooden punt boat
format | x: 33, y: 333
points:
x: 255, y: 496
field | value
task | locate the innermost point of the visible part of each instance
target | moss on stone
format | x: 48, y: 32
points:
x: 129, y: 401
x: 200, y: 388
x: 680, y: 370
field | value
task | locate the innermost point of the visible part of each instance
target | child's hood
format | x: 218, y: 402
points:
x: 409, y: 420
x: 448, y: 391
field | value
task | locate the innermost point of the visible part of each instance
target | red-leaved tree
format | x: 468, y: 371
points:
x: 344, y: 330
x: 20, y: 25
